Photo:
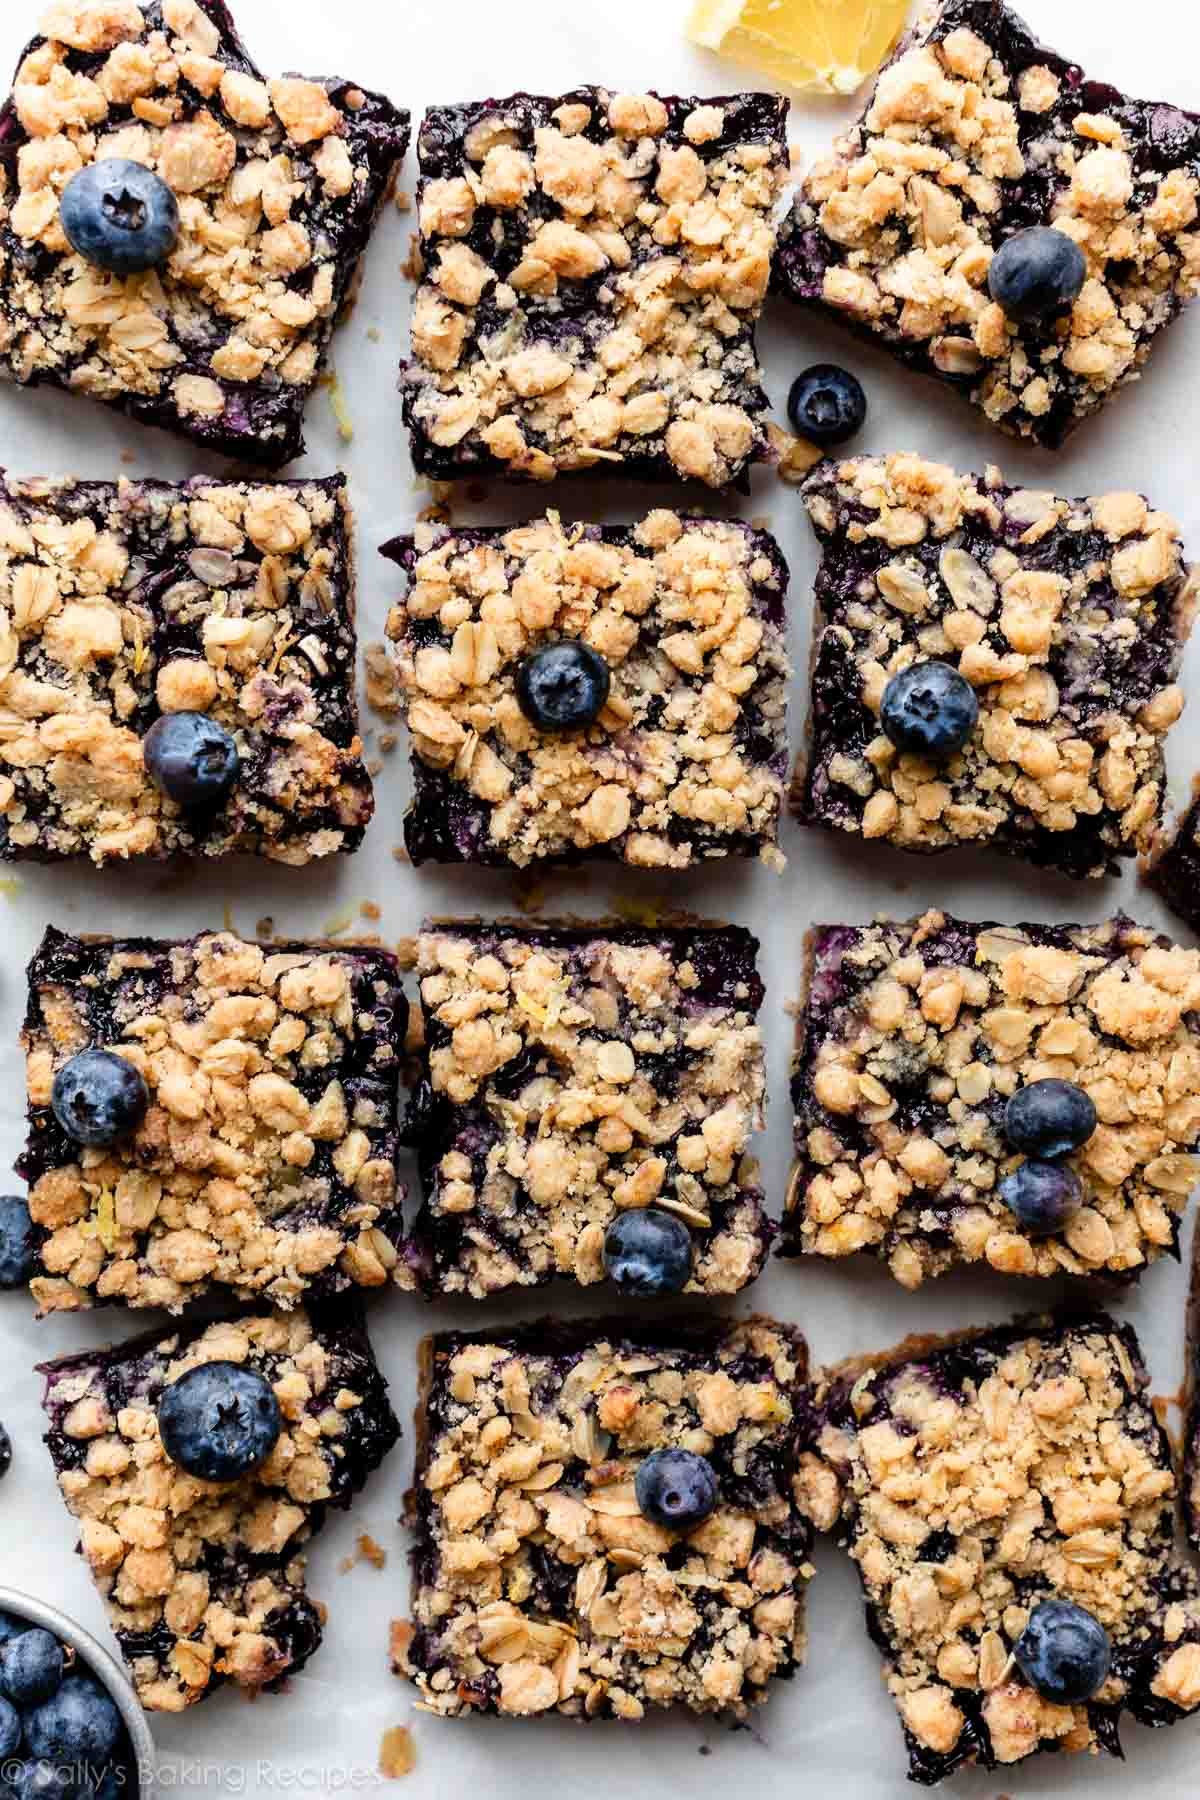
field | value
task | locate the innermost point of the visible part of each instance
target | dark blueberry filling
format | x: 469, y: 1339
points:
x: 1175, y: 874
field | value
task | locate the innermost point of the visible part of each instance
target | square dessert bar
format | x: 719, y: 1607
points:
x: 572, y: 1073
x: 686, y: 761
x: 594, y: 267
x: 1068, y: 619
x: 974, y: 133
x: 973, y: 1478
x: 540, y: 1586
x: 277, y: 185
x: 912, y: 1040
x: 203, y: 1581
x: 1174, y: 866
x: 264, y: 1165
x: 122, y: 602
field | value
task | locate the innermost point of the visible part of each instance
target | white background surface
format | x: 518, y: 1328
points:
x: 833, y: 1729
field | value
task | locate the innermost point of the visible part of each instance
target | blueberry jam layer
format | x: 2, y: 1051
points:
x: 130, y: 601
x: 204, y: 1581
x: 572, y: 1600
x: 1174, y: 870
x: 913, y: 1038
x: 594, y: 267
x: 973, y: 134
x: 975, y: 1476
x: 265, y: 1164
x: 277, y: 182
x: 686, y: 761
x: 571, y: 1074
x: 1066, y: 617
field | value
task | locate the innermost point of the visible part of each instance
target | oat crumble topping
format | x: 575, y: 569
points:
x: 912, y: 1040
x: 593, y: 269
x: 265, y: 1165
x: 204, y: 1582
x: 975, y: 131
x: 1068, y: 617
x: 539, y: 1586
x: 686, y: 762
x: 278, y: 183
x: 572, y: 1073
x: 123, y: 601
x: 971, y: 1478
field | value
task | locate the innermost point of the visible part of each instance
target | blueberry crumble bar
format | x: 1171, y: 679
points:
x: 586, y: 1103
x: 1039, y: 637
x: 1001, y: 222
x: 204, y: 1579
x: 666, y: 638
x: 135, y: 609
x: 977, y: 1478
x: 1174, y: 865
x: 914, y: 1040
x: 267, y: 191
x: 544, y: 1576
x: 593, y: 269
x: 211, y: 1116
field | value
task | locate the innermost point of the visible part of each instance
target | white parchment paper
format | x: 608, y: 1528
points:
x: 832, y: 1731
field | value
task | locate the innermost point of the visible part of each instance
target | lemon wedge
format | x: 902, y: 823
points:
x: 814, y: 46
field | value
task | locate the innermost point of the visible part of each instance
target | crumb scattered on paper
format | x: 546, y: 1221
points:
x: 413, y: 266
x: 397, y: 1753
x: 365, y: 1550
x: 337, y: 399
x: 403, y: 200
x: 370, y: 910
x: 382, y: 682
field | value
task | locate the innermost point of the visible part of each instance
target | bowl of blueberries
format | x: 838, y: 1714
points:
x: 71, y: 1727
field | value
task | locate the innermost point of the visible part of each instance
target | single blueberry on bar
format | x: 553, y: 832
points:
x: 260, y: 1162
x: 177, y: 671
x: 594, y: 266
x: 1001, y: 222
x: 204, y: 1579
x: 914, y: 1040
x: 177, y: 234
x: 576, y: 1552
x: 1067, y: 619
x: 587, y: 1100
x: 1173, y: 868
x: 593, y: 692
x: 1009, y: 1498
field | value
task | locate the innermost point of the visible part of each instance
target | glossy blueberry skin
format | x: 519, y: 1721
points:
x: 563, y: 687
x: 827, y: 404
x: 929, y: 708
x: 77, y: 1724
x: 1037, y: 274
x: 10, y: 1730
x: 648, y: 1252
x: 1049, y: 1118
x: 1042, y: 1196
x: 192, y: 759
x: 6, y: 1456
x: 219, y: 1421
x: 1064, y: 1652
x: 31, y: 1666
x: 17, y: 1242
x: 122, y: 217
x: 676, y: 1488
x: 99, y: 1098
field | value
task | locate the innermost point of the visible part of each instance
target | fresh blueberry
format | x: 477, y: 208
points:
x: 1064, y: 1652
x: 1037, y: 274
x: 31, y: 1666
x: 17, y: 1243
x: 78, y: 1724
x: 10, y: 1730
x: 5, y: 1458
x: 40, y: 1781
x: 219, y: 1421
x: 192, y: 759
x: 10, y: 1627
x: 121, y: 216
x: 99, y: 1097
x: 648, y: 1252
x: 676, y: 1488
x: 1042, y: 1196
x: 929, y: 708
x: 1049, y: 1118
x: 827, y: 404
x: 563, y: 687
